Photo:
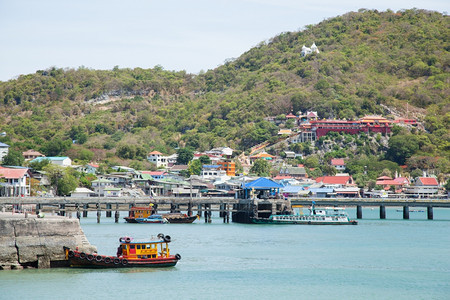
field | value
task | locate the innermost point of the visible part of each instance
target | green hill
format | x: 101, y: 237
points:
x: 370, y: 62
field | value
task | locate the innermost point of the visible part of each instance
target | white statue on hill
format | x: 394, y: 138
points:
x: 306, y: 50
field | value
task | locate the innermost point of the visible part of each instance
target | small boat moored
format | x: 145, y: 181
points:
x: 317, y: 216
x: 152, y: 253
x: 147, y: 215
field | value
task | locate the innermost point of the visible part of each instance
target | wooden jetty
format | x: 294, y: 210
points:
x: 240, y: 209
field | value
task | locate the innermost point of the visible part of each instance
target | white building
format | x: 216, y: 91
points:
x: 99, y: 186
x: 160, y: 160
x: 4, y: 149
x: 82, y: 193
x: 62, y: 161
x: 14, y: 183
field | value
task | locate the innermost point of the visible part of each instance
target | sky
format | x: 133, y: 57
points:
x: 194, y: 36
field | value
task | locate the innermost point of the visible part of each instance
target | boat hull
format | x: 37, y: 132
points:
x: 81, y: 260
x: 182, y: 220
x: 169, y: 219
x: 301, y: 222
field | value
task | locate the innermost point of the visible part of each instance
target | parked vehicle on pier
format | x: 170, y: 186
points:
x: 146, y: 215
x: 153, y: 253
x: 317, y: 216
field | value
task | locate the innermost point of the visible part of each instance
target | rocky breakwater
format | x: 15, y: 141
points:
x: 29, y: 241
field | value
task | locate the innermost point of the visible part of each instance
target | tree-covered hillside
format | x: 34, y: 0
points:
x: 369, y: 62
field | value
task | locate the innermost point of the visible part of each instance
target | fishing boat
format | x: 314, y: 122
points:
x: 153, y: 253
x: 316, y: 216
x: 146, y: 215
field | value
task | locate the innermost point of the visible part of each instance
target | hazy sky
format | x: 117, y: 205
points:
x: 190, y: 35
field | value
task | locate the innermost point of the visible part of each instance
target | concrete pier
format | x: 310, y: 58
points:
x: 38, y: 242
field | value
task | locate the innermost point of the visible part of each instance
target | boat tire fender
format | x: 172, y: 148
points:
x: 71, y: 253
x: 160, y: 235
x: 167, y: 238
x: 82, y: 255
x: 178, y: 256
x: 99, y: 258
x: 127, y: 239
x: 90, y: 257
x: 107, y: 260
x: 116, y: 261
x: 124, y: 261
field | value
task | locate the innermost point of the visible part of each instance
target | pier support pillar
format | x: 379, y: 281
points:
x: 430, y: 212
x: 78, y: 214
x: 99, y: 213
x: 199, y: 210
x: 85, y: 210
x: 62, y: 209
x: 189, y: 211
x: 382, y: 212
x: 116, y: 216
x: 405, y: 212
x: 108, y: 210
x: 358, y: 211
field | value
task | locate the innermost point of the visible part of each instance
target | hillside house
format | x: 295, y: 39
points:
x: 262, y: 155
x: 32, y: 154
x: 4, y: 149
x: 161, y: 160
x: 15, y: 182
x: 82, y: 193
x: 99, y: 186
x: 341, y: 181
x: 423, y: 187
x: 338, y: 163
x: 62, y: 161
x: 293, y: 172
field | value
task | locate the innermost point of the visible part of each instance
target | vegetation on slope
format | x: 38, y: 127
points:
x: 368, y: 61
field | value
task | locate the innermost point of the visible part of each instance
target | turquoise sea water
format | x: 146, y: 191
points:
x: 377, y: 259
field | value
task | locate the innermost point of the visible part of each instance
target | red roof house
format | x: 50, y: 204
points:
x: 341, y: 180
x: 429, y: 181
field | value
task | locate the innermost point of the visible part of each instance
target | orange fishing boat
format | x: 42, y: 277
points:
x: 152, y: 253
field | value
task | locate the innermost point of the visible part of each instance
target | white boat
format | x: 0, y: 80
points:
x: 316, y: 216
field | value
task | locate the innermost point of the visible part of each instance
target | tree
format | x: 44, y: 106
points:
x: 39, y: 165
x: 63, y: 180
x: 386, y: 172
x: 205, y: 160
x: 185, y: 155
x: 329, y: 170
x: 56, y: 146
x: 13, y: 158
x: 447, y: 185
x: 402, y: 147
x: 195, y: 167
x: 312, y: 161
x: 66, y: 184
x: 261, y: 168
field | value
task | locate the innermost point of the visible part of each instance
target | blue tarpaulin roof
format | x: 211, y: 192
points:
x: 262, y: 184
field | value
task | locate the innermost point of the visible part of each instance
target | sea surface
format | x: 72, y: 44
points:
x: 377, y: 259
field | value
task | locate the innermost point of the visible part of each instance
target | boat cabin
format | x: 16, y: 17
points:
x: 140, y: 212
x: 143, y: 250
